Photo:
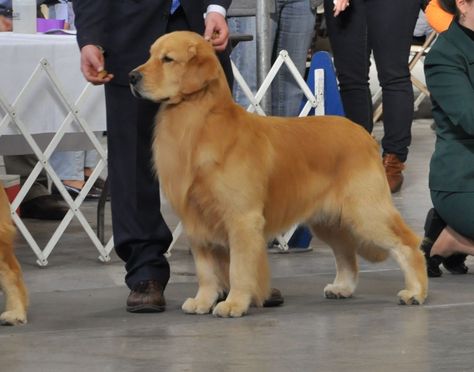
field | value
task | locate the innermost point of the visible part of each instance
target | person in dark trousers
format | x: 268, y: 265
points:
x: 385, y: 28
x: 116, y: 36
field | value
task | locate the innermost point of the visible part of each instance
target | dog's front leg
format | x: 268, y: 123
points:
x: 212, y: 270
x: 249, y: 273
x: 11, y: 281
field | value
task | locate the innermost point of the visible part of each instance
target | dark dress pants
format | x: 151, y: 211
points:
x: 141, y: 236
x: 386, y: 28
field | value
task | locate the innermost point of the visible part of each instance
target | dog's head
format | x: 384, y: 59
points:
x: 181, y: 63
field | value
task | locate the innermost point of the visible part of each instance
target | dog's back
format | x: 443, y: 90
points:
x: 321, y: 161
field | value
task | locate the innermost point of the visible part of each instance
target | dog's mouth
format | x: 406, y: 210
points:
x: 136, y: 93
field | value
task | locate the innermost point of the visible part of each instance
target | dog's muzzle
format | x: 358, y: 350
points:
x: 134, y: 78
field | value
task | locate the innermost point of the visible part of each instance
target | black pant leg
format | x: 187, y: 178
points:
x: 141, y: 236
x: 348, y: 36
x: 386, y: 27
x: 390, y: 26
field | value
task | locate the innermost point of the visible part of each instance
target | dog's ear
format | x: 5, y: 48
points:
x: 201, y: 68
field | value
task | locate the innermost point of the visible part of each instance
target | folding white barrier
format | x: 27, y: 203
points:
x: 73, y: 118
x: 315, y: 101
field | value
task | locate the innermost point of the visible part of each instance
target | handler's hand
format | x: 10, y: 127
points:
x: 92, y: 65
x: 217, y: 31
x: 340, y: 6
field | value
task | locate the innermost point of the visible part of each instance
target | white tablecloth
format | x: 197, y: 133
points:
x: 41, y: 109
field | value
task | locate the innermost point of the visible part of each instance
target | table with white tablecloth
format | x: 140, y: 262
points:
x: 41, y: 107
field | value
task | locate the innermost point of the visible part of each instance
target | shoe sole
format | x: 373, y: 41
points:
x: 146, y: 308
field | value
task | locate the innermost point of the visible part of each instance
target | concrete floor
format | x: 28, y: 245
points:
x: 78, y: 322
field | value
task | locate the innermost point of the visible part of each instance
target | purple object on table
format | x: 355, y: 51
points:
x: 43, y: 24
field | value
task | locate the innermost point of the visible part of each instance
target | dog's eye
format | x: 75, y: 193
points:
x: 167, y: 59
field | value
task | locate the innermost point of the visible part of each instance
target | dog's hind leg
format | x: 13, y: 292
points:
x: 249, y: 272
x: 412, y: 262
x: 212, y: 270
x: 16, y: 298
x: 342, y: 244
x: 384, y: 228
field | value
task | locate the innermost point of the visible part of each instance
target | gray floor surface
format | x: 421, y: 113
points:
x: 78, y: 322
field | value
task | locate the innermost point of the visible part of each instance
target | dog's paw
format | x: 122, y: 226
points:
x: 13, y: 317
x: 193, y: 306
x: 407, y: 297
x: 226, y: 309
x: 335, y: 292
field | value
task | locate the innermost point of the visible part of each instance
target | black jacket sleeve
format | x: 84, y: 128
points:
x: 90, y: 16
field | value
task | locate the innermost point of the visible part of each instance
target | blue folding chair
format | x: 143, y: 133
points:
x: 332, y: 98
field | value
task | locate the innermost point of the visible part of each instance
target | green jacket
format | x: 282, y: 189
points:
x: 449, y: 70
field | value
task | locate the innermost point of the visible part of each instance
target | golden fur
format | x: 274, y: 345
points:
x: 235, y: 179
x: 11, y: 278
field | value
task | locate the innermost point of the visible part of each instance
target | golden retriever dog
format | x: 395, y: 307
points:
x: 235, y: 179
x: 11, y: 278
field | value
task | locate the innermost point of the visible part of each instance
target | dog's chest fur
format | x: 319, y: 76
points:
x: 185, y: 173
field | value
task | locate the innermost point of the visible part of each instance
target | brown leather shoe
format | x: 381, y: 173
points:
x: 146, y: 297
x: 393, y: 169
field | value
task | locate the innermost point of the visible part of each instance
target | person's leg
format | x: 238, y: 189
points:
x: 457, y: 210
x: 450, y: 242
x: 449, y: 232
x: 244, y: 57
x: 141, y: 236
x: 90, y: 160
x: 390, y: 31
x: 294, y: 32
x: 69, y: 166
x: 348, y: 36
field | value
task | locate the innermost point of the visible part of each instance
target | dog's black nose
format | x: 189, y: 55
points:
x: 134, y: 77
